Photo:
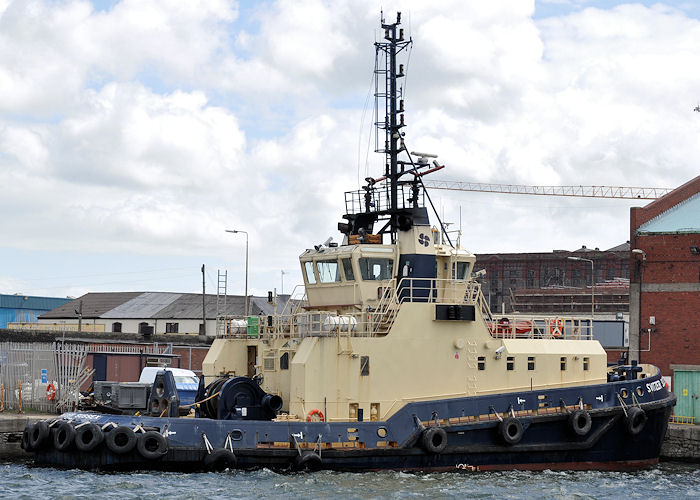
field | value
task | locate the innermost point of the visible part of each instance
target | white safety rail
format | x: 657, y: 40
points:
x: 42, y: 376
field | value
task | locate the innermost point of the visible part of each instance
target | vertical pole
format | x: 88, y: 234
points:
x: 20, y: 395
x: 80, y: 316
x: 204, y: 311
x: 246, y: 273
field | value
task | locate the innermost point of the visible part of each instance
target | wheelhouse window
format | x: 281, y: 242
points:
x: 347, y: 269
x: 284, y: 361
x: 460, y: 270
x: 373, y: 268
x: 328, y: 271
x: 309, y: 271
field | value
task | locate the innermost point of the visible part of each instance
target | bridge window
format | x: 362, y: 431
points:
x: 460, y: 270
x: 347, y: 268
x: 309, y: 271
x: 328, y: 271
x: 284, y: 361
x: 372, y: 268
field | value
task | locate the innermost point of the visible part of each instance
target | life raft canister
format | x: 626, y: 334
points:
x: 556, y: 327
x: 50, y: 392
x: 315, y: 415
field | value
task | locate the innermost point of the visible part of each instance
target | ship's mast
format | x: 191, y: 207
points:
x: 386, y: 52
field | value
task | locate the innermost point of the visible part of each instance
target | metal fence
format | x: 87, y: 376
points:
x: 41, y: 376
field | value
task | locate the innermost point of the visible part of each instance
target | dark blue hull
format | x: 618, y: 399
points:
x: 473, y: 435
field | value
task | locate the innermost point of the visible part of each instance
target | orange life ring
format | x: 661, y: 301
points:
x: 50, y: 392
x: 556, y: 327
x: 313, y: 413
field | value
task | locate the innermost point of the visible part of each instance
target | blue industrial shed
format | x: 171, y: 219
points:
x: 24, y: 308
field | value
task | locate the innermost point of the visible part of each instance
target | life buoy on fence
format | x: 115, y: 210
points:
x: 556, y: 327
x: 315, y: 415
x: 50, y: 392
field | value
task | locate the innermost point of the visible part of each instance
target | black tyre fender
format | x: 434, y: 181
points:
x: 434, y: 439
x: 580, y: 422
x: 308, y: 461
x: 25, y: 438
x: 152, y: 445
x: 121, y: 440
x: 88, y: 437
x: 511, y: 430
x: 219, y: 460
x: 38, y: 435
x: 636, y: 420
x: 63, y: 436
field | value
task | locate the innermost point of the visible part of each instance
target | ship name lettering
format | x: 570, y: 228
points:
x: 654, y: 386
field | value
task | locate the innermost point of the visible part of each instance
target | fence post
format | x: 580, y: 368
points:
x: 20, y: 396
x: 2, y: 397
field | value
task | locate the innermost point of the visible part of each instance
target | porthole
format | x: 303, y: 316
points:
x: 381, y: 432
x: 640, y: 391
x: 624, y: 393
x: 236, y: 434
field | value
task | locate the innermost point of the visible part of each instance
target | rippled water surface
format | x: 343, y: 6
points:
x: 668, y: 480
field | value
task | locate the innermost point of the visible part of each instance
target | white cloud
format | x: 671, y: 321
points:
x: 149, y: 128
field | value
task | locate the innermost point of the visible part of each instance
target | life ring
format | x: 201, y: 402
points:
x: 50, y: 392
x: 152, y: 445
x: 315, y: 415
x: 88, y: 437
x: 556, y: 327
x: 219, y: 460
x: 580, y: 422
x: 511, y: 430
x: 636, y: 420
x: 121, y: 440
x: 63, y: 436
x: 434, y: 439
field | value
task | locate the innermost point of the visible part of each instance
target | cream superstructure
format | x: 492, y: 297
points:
x: 371, y: 338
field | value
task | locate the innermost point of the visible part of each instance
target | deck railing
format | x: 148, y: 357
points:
x: 377, y: 320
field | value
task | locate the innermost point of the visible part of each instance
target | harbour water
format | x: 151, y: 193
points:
x: 668, y: 480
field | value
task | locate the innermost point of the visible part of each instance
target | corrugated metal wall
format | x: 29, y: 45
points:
x: 24, y: 308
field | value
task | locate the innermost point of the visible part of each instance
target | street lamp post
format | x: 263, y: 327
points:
x: 592, y: 284
x: 235, y: 231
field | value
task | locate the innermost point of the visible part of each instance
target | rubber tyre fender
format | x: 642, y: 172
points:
x: 38, y: 435
x: 88, y: 437
x: 636, y: 420
x: 219, y: 460
x: 510, y: 430
x: 121, y: 440
x: 152, y: 445
x: 24, y: 444
x: 434, y: 439
x: 580, y: 422
x: 63, y: 436
x: 308, y: 461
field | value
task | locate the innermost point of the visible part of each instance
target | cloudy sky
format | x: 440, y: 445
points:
x: 134, y: 132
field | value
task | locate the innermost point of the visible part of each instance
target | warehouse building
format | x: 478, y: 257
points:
x: 25, y: 308
x: 665, y: 290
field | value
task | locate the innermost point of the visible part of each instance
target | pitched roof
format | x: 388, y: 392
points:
x: 94, y: 305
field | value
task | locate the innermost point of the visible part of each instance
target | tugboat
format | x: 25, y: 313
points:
x: 392, y: 360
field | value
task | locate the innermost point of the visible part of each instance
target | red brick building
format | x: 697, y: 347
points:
x: 665, y: 282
